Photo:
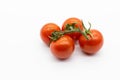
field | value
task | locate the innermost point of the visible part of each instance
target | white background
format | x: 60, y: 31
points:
x: 23, y: 55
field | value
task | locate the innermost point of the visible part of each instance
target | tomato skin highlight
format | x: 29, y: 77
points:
x: 93, y: 45
x: 63, y: 47
x: 47, y: 30
x: 75, y: 36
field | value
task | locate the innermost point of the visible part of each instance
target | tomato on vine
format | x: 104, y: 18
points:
x: 93, y: 43
x: 63, y: 47
x: 61, y: 42
x: 72, y: 23
x: 47, y: 30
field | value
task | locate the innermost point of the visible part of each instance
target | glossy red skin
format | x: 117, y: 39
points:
x: 75, y: 36
x: 93, y: 45
x: 63, y: 47
x: 47, y: 30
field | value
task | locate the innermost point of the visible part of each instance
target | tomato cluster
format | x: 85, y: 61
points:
x: 62, y: 41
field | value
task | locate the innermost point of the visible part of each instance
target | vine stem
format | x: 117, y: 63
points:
x: 76, y: 30
x: 71, y: 29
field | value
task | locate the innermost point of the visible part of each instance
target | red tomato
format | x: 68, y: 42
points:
x: 63, y: 47
x: 92, y: 45
x: 47, y: 30
x: 78, y: 24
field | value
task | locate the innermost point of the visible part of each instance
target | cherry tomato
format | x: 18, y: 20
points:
x: 63, y: 47
x: 78, y: 24
x: 47, y: 30
x: 93, y: 44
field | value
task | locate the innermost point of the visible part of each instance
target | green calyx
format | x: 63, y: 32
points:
x: 56, y: 35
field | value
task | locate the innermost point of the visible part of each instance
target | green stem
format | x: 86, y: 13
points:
x: 84, y: 26
x: 89, y: 25
x: 70, y: 29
